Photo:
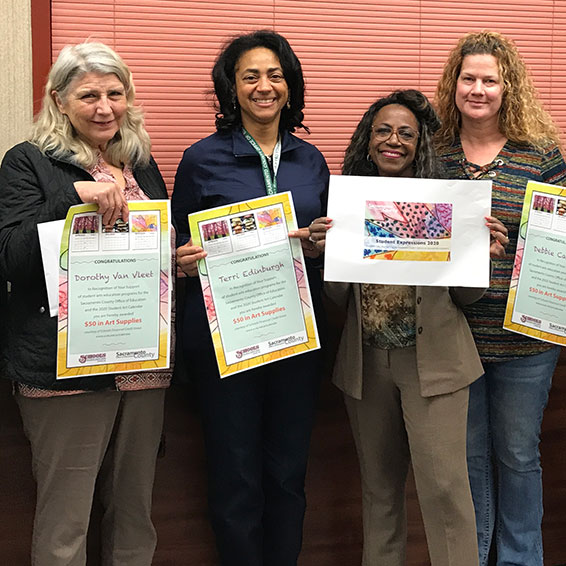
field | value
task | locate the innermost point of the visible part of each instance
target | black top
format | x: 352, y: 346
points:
x: 36, y: 188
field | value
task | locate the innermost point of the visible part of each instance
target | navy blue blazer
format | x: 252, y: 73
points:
x: 224, y: 168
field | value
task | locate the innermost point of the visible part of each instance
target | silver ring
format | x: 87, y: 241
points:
x: 312, y: 240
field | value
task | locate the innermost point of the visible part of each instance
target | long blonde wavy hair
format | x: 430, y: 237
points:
x: 522, y: 117
x: 53, y: 132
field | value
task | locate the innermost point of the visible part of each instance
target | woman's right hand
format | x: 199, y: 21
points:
x: 499, y: 237
x: 109, y: 198
x: 188, y: 256
x: 317, y: 230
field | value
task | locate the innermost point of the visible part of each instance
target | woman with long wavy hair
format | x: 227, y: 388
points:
x: 404, y: 363
x: 494, y: 127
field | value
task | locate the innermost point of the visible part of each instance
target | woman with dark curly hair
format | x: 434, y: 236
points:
x: 494, y: 127
x: 404, y: 363
x: 257, y: 424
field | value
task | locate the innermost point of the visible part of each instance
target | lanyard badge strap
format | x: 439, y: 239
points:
x: 270, y: 182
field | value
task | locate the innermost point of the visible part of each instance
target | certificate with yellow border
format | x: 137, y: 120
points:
x: 536, y: 305
x: 254, y: 283
x: 115, y: 291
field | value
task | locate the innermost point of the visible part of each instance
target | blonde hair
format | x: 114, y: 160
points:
x: 53, y: 132
x: 522, y: 117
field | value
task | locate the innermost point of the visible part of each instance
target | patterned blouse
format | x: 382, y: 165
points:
x: 388, y: 316
x: 516, y: 164
x: 158, y: 379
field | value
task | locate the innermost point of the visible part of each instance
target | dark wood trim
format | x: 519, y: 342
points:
x: 41, y: 47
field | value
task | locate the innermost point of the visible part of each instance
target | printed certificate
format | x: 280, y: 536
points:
x: 403, y: 231
x: 536, y: 305
x: 115, y: 291
x: 254, y: 283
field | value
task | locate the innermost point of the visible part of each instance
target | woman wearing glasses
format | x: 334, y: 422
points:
x: 405, y: 361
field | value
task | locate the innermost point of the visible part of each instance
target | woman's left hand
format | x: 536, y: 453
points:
x: 309, y: 247
x: 498, y: 237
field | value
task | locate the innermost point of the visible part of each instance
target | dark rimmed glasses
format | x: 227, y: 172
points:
x: 405, y: 134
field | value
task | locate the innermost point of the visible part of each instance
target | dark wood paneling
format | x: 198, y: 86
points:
x: 333, y: 523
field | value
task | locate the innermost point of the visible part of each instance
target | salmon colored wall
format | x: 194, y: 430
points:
x: 352, y: 53
x: 41, y: 47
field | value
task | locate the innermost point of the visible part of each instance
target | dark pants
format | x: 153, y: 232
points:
x: 257, y: 428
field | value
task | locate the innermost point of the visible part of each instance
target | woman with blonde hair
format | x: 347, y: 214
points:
x: 494, y: 127
x: 89, y: 145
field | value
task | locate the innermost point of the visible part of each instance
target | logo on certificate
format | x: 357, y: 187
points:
x: 92, y: 358
x: 531, y: 321
x: 249, y: 352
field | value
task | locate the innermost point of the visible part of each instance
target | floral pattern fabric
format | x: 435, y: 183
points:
x: 388, y: 316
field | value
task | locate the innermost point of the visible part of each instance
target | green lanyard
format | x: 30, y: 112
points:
x: 270, y: 183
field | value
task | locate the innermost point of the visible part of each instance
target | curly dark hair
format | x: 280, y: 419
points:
x: 426, y: 164
x: 228, y: 115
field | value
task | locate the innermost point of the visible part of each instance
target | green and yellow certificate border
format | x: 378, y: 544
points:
x: 553, y: 190
x: 161, y: 207
x: 312, y: 343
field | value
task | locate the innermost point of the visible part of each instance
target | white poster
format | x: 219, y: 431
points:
x: 404, y: 231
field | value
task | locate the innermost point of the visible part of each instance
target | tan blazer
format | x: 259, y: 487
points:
x: 447, y: 357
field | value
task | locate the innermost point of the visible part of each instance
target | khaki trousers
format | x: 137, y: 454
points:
x: 109, y: 437
x: 393, y: 425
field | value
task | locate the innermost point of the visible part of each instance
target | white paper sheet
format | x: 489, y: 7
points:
x: 384, y: 229
x: 50, y: 234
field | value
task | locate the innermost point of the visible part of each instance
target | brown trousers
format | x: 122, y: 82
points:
x: 394, y: 425
x: 107, y: 436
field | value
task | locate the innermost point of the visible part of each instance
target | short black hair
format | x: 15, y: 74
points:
x: 228, y: 115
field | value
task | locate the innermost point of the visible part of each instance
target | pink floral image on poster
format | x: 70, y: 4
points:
x: 85, y: 224
x: 215, y: 230
x: 543, y: 203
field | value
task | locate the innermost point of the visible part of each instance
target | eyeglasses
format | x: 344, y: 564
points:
x: 405, y: 134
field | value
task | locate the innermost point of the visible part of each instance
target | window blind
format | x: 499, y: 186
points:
x: 352, y: 53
